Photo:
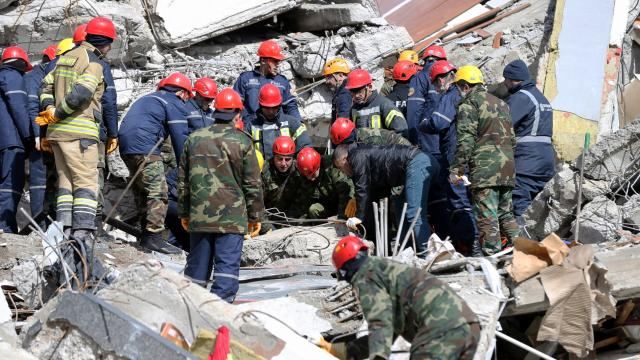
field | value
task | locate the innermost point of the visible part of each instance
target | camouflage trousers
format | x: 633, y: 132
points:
x: 493, y: 209
x: 150, y: 191
x: 457, y: 343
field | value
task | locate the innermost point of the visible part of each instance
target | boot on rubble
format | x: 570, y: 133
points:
x: 476, y: 249
x: 84, y: 241
x: 154, y: 242
x: 101, y: 234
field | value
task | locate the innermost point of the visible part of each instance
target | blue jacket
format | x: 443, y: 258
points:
x: 422, y: 99
x: 248, y: 86
x: 197, y: 117
x: 264, y: 133
x: 151, y: 118
x: 15, y: 126
x: 32, y: 82
x: 442, y: 122
x: 341, y: 103
x: 532, y: 119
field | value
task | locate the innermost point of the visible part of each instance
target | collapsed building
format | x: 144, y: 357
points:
x: 288, y: 299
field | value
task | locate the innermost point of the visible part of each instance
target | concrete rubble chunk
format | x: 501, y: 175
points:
x: 169, y: 18
x: 631, y: 213
x: 32, y: 283
x: 599, y: 221
x: 317, y: 17
x: 309, y: 59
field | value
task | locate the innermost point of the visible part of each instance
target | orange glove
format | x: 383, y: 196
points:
x: 112, y: 145
x: 45, y: 145
x: 350, y: 210
x: 254, y: 228
x: 47, y: 117
x: 185, y: 224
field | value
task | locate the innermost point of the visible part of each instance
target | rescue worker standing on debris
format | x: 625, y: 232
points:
x: 532, y: 119
x: 335, y: 73
x: 199, y: 107
x: 16, y: 136
x: 403, y: 71
x: 485, y: 147
x: 324, y: 191
x: 150, y: 120
x: 71, y: 100
x: 344, y: 131
x: 280, y: 178
x: 402, y: 300
x: 220, y: 196
x: 249, y: 83
x: 271, y: 122
x: 371, y: 109
x: 37, y: 168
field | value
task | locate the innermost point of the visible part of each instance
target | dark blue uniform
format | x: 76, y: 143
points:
x: 248, y: 86
x: 341, y: 103
x: 198, y: 118
x: 399, y: 95
x: 37, y: 168
x: 422, y: 99
x: 264, y: 132
x: 15, y: 131
x: 462, y: 223
x: 532, y: 118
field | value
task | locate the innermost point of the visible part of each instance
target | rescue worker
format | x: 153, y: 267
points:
x: 150, y: 120
x: 403, y: 71
x: 532, y: 119
x: 324, y: 191
x: 16, y: 136
x: 485, y: 147
x: 220, y: 196
x: 377, y: 169
x: 371, y: 109
x: 344, y: 131
x: 71, y: 99
x: 37, y: 168
x: 271, y: 121
x: 279, y: 177
x: 389, y: 81
x: 335, y: 73
x: 80, y: 34
x: 462, y: 224
x: 249, y: 83
x: 402, y: 300
x: 199, y: 107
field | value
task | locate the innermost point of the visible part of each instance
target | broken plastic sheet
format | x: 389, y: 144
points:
x: 529, y: 256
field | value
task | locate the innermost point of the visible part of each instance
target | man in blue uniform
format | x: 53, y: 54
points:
x: 335, y: 72
x: 199, y: 107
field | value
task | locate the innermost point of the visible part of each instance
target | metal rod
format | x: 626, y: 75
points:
x: 376, y: 219
x: 523, y: 346
x: 587, y: 140
x: 413, y: 223
x: 397, y: 245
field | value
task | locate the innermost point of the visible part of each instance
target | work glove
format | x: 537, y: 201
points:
x: 254, y: 228
x: 353, y: 223
x: 455, y: 179
x: 45, y: 145
x: 112, y: 145
x: 47, y: 117
x: 37, y: 143
x: 185, y: 224
x: 350, y: 210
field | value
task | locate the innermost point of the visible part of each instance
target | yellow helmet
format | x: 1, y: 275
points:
x: 260, y: 159
x: 409, y: 55
x: 337, y: 65
x: 65, y: 45
x: 470, y: 74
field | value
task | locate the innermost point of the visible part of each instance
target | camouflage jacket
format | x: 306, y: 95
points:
x: 379, y: 137
x: 485, y: 140
x: 398, y: 299
x: 219, y: 185
x: 280, y: 188
x: 332, y: 188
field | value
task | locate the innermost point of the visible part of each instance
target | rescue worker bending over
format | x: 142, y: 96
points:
x: 344, y: 131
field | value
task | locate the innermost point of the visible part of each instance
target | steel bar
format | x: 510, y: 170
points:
x: 399, y: 231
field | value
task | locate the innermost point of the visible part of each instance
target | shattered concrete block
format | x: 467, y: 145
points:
x: 317, y: 17
x: 599, y: 221
x: 309, y: 59
x: 169, y: 18
x: 631, y: 213
x: 374, y: 41
x: 32, y: 284
x: 317, y: 106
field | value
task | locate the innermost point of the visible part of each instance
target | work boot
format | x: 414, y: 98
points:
x: 153, y: 241
x: 476, y: 249
x: 84, y: 241
x: 101, y: 234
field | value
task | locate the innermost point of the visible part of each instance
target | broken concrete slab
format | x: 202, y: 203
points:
x: 308, y: 60
x: 631, y: 213
x: 317, y: 17
x: 168, y: 17
x: 32, y: 283
x: 599, y: 221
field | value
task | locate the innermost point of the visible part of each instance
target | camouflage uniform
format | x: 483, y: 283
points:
x: 400, y: 300
x: 279, y: 187
x: 150, y: 191
x: 326, y: 196
x: 219, y: 191
x: 485, y: 144
x: 379, y: 137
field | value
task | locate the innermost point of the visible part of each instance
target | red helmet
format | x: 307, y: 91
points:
x: 50, y: 51
x: 270, y: 96
x: 440, y: 67
x: 358, y: 78
x: 178, y: 80
x: 16, y: 52
x: 347, y: 249
x: 435, y: 51
x: 404, y: 70
x: 228, y: 99
x: 308, y: 161
x: 340, y: 130
x: 270, y: 49
x: 206, y: 87
x: 101, y: 26
x: 161, y: 83
x: 284, y: 145
x: 80, y: 34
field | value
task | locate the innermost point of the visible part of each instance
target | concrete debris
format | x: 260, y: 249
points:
x: 32, y: 281
x: 315, y: 17
x: 599, y: 221
x: 631, y: 213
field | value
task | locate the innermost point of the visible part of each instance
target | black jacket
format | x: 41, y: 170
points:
x: 376, y: 169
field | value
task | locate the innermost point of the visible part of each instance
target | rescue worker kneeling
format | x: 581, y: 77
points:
x: 280, y: 179
x: 401, y: 300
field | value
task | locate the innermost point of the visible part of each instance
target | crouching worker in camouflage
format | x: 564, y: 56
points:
x: 485, y: 146
x: 400, y: 300
x: 219, y: 196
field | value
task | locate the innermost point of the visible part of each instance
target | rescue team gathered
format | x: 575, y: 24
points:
x: 466, y: 163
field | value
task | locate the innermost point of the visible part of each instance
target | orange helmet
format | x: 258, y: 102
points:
x: 284, y: 145
x: 404, y: 70
x: 347, y: 249
x: 269, y: 96
x: 340, y: 130
x: 16, y: 52
x: 358, y: 78
x: 206, y: 87
x: 80, y: 34
x: 270, y: 49
x: 308, y: 161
